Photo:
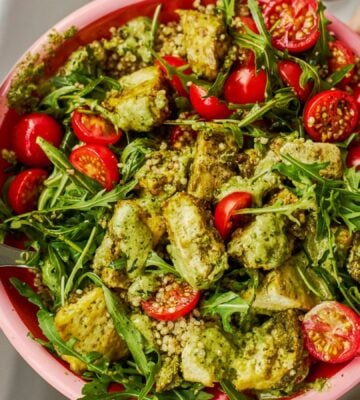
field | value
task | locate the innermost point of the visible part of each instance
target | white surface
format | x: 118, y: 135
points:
x: 21, y: 23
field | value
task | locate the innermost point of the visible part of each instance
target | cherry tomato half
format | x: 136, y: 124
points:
x: 97, y: 162
x: 24, y: 190
x: 331, y: 332
x: 172, y: 301
x: 290, y: 73
x: 225, y: 219
x: 24, y: 137
x: 217, y: 393
x: 330, y: 116
x: 208, y: 107
x: 341, y: 56
x: 356, y: 95
x: 294, y: 24
x: 94, y: 129
x: 353, y: 157
x: 245, y: 86
x: 181, y: 136
x: 175, y: 81
x: 250, y: 23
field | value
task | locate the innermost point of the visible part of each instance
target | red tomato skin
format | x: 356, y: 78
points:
x: 24, y: 190
x: 353, y: 157
x: 290, y: 73
x: 217, y: 393
x: 347, y: 57
x: 185, y: 305
x: 175, y: 81
x: 329, y: 98
x: 224, y: 218
x: 288, y: 38
x: 332, y: 328
x: 250, y: 23
x: 93, y: 129
x: 24, y: 137
x: 356, y: 94
x: 245, y: 86
x: 208, y: 107
x: 97, y: 162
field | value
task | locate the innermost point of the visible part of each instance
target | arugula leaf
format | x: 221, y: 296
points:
x: 232, y: 393
x: 225, y: 304
x: 155, y: 260
x: 25, y: 290
x: 228, y: 8
x: 336, y: 77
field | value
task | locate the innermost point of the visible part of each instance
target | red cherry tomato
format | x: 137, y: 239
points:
x: 208, y: 107
x: 330, y: 116
x: 24, y: 137
x: 97, y: 162
x: 225, y: 219
x: 25, y: 188
x: 245, y: 86
x: 294, y: 24
x: 353, y: 157
x: 217, y: 393
x: 331, y: 332
x: 290, y: 73
x: 172, y: 301
x: 341, y: 56
x: 181, y: 136
x: 175, y: 81
x: 356, y: 95
x: 250, y: 23
x: 94, y: 129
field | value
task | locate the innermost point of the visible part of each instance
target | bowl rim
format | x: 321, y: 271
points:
x: 55, y: 373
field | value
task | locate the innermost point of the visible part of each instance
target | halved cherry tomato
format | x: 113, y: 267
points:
x: 294, y: 24
x: 356, y: 95
x: 353, y: 157
x: 175, y: 81
x: 330, y: 116
x: 97, y: 162
x: 245, y: 86
x: 250, y: 23
x: 94, y: 129
x: 24, y: 190
x: 225, y: 219
x: 341, y: 56
x: 208, y: 107
x: 24, y: 137
x: 172, y: 301
x: 182, y: 135
x: 331, y: 332
x: 290, y: 73
x: 217, y: 393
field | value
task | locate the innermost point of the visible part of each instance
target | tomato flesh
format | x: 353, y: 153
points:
x: 356, y: 95
x: 172, y: 301
x: 94, y: 129
x: 245, y: 86
x: 25, y: 133
x: 225, y: 218
x: 175, y: 81
x: 181, y: 136
x: 290, y: 73
x: 330, y: 116
x: 293, y: 24
x: 353, y: 157
x: 341, y: 56
x: 209, y: 107
x: 331, y: 332
x: 24, y: 190
x: 97, y: 162
x: 217, y: 393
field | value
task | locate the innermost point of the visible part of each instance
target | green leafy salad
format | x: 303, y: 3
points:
x: 188, y: 196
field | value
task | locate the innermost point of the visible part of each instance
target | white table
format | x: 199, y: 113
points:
x: 21, y: 23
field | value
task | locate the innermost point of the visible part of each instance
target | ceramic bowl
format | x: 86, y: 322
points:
x: 17, y: 316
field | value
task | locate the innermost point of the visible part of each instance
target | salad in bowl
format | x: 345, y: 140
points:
x: 184, y: 183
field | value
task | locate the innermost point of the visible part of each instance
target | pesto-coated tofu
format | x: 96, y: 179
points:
x: 143, y: 102
x: 214, y: 163
x: 86, y: 319
x: 353, y: 264
x: 206, y: 356
x: 164, y: 173
x: 206, y: 41
x: 284, y: 288
x: 264, y: 243
x: 134, y: 229
x: 310, y: 152
x: 272, y: 355
x: 168, y: 376
x: 196, y: 249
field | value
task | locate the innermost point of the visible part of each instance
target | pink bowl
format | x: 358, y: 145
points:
x: 17, y: 316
